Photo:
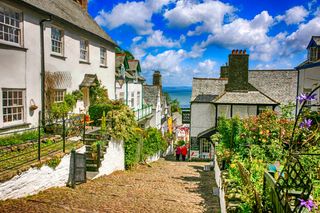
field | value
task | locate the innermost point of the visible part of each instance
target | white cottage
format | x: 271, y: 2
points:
x: 238, y: 92
x: 309, y: 71
x: 41, y: 36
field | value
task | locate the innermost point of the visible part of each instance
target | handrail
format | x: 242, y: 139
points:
x: 143, y: 112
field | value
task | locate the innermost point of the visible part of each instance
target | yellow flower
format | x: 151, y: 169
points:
x: 233, y: 165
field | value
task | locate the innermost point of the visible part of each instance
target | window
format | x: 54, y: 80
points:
x: 313, y: 53
x: 138, y: 99
x: 59, y: 95
x: 103, y: 56
x: 132, y: 99
x: 84, y: 50
x: 10, y: 29
x: 56, y: 40
x: 12, y: 105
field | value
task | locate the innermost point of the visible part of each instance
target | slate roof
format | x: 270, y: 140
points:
x: 72, y: 13
x: 151, y: 94
x: 89, y: 80
x: 266, y: 87
x: 133, y: 64
x: 280, y: 85
x: 207, y: 86
x: 120, y: 59
x: 250, y: 97
x: 205, y: 98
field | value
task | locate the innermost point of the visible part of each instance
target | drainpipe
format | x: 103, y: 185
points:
x: 43, y: 102
x: 126, y: 92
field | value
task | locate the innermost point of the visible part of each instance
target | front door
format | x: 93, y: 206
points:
x: 205, y: 148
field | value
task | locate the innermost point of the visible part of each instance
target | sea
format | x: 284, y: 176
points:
x: 181, y: 93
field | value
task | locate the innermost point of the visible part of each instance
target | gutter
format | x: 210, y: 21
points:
x: 43, y: 77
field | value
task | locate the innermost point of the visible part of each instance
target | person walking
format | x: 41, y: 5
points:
x: 178, y: 153
x: 184, y: 152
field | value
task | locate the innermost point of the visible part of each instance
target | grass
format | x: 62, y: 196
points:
x: 19, y: 138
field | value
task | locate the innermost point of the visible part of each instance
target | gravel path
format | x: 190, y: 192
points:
x: 164, y: 186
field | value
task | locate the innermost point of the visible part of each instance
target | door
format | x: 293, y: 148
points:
x: 205, y: 148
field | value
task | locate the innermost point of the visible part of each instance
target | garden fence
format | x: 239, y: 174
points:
x: 22, y: 148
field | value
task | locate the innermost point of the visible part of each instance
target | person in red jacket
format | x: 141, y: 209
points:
x: 184, y: 152
x: 178, y: 153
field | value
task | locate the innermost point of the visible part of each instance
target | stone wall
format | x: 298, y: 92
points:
x: 113, y: 158
x: 154, y: 157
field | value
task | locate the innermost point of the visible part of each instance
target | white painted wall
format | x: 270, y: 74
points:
x: 154, y: 157
x: 309, y: 79
x: 20, y: 69
x: 113, y: 158
x: 132, y: 87
x: 35, y: 180
x: 155, y: 121
x: 202, y: 117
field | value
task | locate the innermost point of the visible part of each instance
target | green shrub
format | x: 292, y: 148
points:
x: 153, y: 142
x: 133, y: 150
x: 19, y: 138
x: 96, y: 111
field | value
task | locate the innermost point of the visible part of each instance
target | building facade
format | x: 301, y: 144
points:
x: 238, y: 92
x: 38, y: 37
x: 309, y: 71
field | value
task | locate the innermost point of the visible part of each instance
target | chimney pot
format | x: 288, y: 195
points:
x: 244, y: 52
x: 240, y: 52
x: 232, y: 52
x: 237, y: 52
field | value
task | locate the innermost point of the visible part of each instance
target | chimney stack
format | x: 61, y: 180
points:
x: 157, y: 81
x: 238, y: 71
x: 83, y: 4
x: 224, y: 71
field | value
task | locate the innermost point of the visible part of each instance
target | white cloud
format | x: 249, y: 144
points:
x: 209, y: 14
x: 242, y: 33
x: 157, y: 39
x: 206, y: 68
x: 294, y: 15
x: 167, y: 61
x: 135, y: 14
x: 299, y: 39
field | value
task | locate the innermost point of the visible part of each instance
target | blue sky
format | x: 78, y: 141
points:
x: 187, y: 38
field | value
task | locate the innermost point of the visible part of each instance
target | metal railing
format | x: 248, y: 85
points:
x: 143, y: 112
x: 26, y: 147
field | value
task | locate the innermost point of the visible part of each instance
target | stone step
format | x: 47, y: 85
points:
x: 89, y: 156
x: 89, y: 148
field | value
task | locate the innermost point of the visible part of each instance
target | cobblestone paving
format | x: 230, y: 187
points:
x: 164, y: 186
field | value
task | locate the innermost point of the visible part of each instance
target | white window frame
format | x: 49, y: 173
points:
x: 15, y: 26
x: 103, y: 56
x: 313, y: 53
x: 15, y: 105
x: 60, y: 43
x: 84, y: 50
x: 59, y: 95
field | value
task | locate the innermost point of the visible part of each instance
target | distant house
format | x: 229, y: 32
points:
x: 129, y: 87
x: 160, y: 108
x: 73, y: 47
x: 238, y: 92
x: 309, y: 70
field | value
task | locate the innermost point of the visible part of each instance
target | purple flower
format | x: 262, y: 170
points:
x: 306, y: 123
x: 304, y: 97
x: 308, y: 204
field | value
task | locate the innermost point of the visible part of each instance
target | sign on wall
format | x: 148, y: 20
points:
x: 186, y: 116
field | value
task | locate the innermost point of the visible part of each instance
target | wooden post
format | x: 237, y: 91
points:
x: 73, y: 172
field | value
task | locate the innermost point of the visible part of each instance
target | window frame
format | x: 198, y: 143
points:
x: 63, y: 95
x: 104, y: 58
x: 20, y: 42
x: 86, y: 50
x: 23, y: 107
x: 61, y: 53
x: 138, y: 99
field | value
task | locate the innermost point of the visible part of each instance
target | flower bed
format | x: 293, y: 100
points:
x: 247, y: 148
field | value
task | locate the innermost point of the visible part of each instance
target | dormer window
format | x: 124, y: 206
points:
x: 313, y: 53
